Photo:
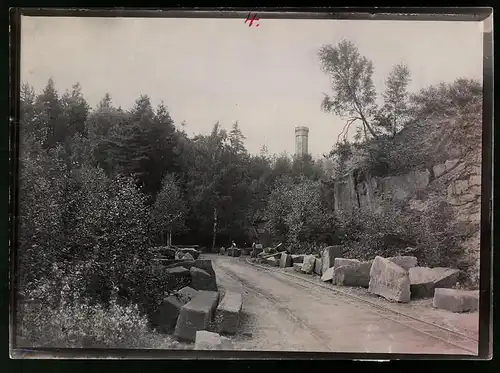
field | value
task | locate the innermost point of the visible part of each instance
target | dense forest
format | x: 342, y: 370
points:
x: 99, y: 186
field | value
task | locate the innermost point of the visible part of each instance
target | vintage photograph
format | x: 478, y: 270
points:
x: 249, y: 184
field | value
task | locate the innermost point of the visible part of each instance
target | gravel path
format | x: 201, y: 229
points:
x: 285, y: 314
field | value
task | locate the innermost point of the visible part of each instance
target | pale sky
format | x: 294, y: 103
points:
x: 208, y: 70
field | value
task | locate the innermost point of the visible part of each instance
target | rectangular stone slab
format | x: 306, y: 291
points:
x: 389, y: 280
x: 196, y: 315
x: 167, y: 313
x: 211, y: 341
x: 228, y: 312
x: 456, y: 300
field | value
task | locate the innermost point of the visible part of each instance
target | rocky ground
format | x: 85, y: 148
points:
x: 285, y: 313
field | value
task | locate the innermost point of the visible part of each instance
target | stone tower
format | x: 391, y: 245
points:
x: 301, y: 134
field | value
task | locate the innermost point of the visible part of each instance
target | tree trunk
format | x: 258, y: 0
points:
x: 169, y: 238
x: 215, y: 229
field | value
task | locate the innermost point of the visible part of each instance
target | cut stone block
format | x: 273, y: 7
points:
x: 389, y: 280
x: 191, y: 251
x: 351, y: 272
x: 236, y: 252
x: 167, y: 313
x: 186, y: 294
x: 211, y: 341
x: 405, y: 262
x: 196, y: 315
x: 327, y: 275
x: 318, y: 266
x: 286, y: 260
x: 456, y: 300
x: 272, y: 261
x: 308, y: 265
x: 424, y: 280
x: 297, y: 267
x: 228, y: 312
x: 206, y: 265
x: 179, y: 277
x: 328, y: 257
x: 298, y: 258
x: 230, y: 251
x: 187, y: 256
x: 222, y: 251
x: 202, y: 280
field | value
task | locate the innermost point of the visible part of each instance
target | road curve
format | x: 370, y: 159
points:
x: 280, y: 314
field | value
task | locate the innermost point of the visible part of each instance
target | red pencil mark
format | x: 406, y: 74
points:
x: 251, y: 21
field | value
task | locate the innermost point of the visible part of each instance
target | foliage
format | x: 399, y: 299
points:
x: 78, y: 324
x: 169, y: 210
x: 296, y: 214
x: 433, y: 235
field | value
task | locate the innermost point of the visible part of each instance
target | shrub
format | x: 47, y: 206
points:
x: 79, y: 324
x: 394, y: 229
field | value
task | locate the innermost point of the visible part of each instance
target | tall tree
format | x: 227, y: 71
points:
x: 169, y: 210
x: 353, y: 90
x: 50, y: 117
x: 394, y: 113
x: 236, y: 138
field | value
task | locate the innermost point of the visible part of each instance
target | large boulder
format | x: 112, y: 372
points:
x: 297, y: 267
x: 351, y: 272
x: 308, y: 265
x: 186, y: 294
x: 193, y: 252
x: 179, y: 255
x: 206, y: 265
x: 286, y: 260
x: 327, y: 275
x: 272, y: 261
x: 211, y: 341
x: 318, y: 266
x: 456, y: 300
x: 178, y: 277
x: 202, y: 280
x: 424, y: 280
x: 196, y: 315
x: 187, y: 256
x: 298, y: 258
x: 389, y: 280
x: 227, y: 315
x: 167, y: 313
x: 328, y: 256
x: 405, y: 262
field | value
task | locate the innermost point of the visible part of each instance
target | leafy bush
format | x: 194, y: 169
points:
x: 432, y: 235
x: 79, y: 324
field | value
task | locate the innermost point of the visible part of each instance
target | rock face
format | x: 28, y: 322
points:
x: 318, y: 266
x: 389, y: 280
x: 423, y: 280
x: 211, y: 341
x: 286, y: 260
x: 327, y: 275
x: 405, y: 262
x: 308, y: 265
x: 167, y: 313
x: 456, y: 300
x: 351, y: 272
x: 228, y: 312
x: 202, y: 280
x: 297, y: 267
x: 186, y: 294
x: 328, y: 257
x: 196, y: 315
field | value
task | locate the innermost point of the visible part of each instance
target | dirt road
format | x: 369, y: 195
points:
x: 288, y: 314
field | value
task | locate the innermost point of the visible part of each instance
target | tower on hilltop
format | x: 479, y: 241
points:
x: 301, y: 138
